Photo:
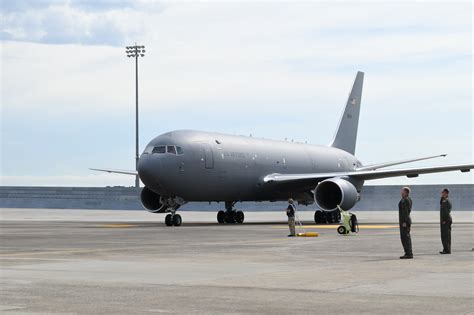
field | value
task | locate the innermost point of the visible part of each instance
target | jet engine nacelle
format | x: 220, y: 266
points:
x: 334, y: 192
x: 152, y: 201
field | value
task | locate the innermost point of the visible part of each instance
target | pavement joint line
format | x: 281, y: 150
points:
x: 38, y: 259
x: 286, y: 288
x: 117, y: 225
x: 85, y: 250
x: 249, y: 242
x: 67, y: 251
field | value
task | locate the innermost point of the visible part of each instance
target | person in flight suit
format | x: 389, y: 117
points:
x: 290, y: 212
x: 445, y: 221
x: 404, y: 209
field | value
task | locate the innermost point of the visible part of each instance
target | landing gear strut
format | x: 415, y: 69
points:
x: 173, y: 219
x: 231, y: 215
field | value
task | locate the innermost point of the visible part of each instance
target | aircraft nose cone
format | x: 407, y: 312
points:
x: 148, y: 169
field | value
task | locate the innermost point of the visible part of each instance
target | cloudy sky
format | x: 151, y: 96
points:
x: 271, y: 69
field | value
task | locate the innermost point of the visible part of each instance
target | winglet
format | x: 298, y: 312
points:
x: 346, y: 134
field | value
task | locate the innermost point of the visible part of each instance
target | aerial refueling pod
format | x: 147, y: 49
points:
x: 334, y: 192
x: 151, y: 201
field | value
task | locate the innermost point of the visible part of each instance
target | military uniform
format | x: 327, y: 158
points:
x: 445, y: 221
x: 290, y: 212
x: 404, y: 209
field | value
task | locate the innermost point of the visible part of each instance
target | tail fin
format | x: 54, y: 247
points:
x: 346, y: 134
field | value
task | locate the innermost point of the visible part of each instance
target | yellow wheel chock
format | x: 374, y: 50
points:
x: 308, y: 234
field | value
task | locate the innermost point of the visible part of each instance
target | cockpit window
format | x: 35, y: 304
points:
x: 148, y: 149
x: 159, y: 149
x: 171, y: 149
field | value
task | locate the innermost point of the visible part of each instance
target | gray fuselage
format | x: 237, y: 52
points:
x: 220, y: 167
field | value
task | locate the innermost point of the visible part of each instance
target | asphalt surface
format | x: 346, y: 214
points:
x: 115, y: 266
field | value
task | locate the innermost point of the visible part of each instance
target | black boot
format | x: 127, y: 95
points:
x: 406, y: 256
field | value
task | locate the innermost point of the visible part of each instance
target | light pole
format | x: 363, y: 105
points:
x: 135, y: 52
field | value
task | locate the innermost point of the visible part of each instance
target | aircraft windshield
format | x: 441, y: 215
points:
x: 170, y: 149
x: 159, y: 149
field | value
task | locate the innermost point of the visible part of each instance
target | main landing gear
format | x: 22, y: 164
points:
x: 323, y: 217
x: 173, y: 219
x: 231, y: 215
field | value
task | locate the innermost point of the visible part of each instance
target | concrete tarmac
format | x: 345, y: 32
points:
x: 75, y: 264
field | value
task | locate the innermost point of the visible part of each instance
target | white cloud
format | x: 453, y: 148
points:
x: 71, y: 22
x: 241, y: 53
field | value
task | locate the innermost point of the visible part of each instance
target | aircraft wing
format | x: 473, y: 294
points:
x: 366, y: 175
x: 387, y: 164
x: 126, y: 172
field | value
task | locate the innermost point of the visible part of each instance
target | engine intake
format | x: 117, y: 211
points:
x: 334, y: 192
x: 151, y: 201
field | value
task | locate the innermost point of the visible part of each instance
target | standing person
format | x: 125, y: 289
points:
x: 404, y: 209
x: 445, y: 221
x: 290, y: 212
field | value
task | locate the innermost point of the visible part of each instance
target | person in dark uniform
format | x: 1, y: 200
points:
x: 404, y: 209
x: 290, y: 212
x: 445, y: 221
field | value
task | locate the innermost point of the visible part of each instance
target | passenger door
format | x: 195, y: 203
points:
x: 208, y: 156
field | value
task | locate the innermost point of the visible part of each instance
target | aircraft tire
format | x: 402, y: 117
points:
x: 230, y: 216
x: 354, y: 224
x: 330, y: 217
x: 177, y: 220
x: 318, y: 217
x: 221, y: 217
x: 324, y: 217
x: 341, y: 230
x: 169, y: 220
x: 239, y: 217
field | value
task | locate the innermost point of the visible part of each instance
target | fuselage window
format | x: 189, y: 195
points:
x: 179, y: 150
x: 171, y: 149
x: 159, y: 149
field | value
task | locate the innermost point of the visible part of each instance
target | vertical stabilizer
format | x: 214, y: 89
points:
x: 346, y: 134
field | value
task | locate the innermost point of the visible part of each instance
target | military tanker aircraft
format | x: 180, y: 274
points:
x: 187, y: 165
